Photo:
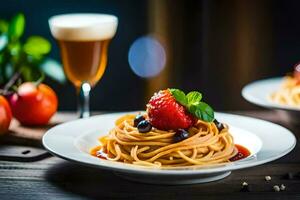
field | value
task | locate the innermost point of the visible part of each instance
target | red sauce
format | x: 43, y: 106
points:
x: 243, y: 152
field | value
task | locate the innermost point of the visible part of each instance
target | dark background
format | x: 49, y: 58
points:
x: 213, y: 46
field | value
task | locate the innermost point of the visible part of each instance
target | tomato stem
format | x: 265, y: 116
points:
x: 40, y: 80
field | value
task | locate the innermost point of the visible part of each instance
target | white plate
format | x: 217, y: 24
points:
x: 266, y: 141
x: 258, y: 93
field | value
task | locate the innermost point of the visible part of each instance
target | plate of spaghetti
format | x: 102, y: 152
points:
x: 178, y: 139
x: 281, y: 93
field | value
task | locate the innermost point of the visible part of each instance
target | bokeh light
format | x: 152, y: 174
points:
x: 147, y: 57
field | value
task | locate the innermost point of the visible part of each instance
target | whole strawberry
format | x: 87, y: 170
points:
x: 166, y: 114
x: 171, y: 109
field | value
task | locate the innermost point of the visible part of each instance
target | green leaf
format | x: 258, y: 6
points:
x: 3, y: 41
x: 14, y: 48
x: 53, y: 69
x: 3, y: 63
x: 202, y: 111
x: 16, y: 27
x: 27, y: 73
x: 15, y: 53
x: 1, y: 58
x: 179, y: 96
x: 3, y: 26
x: 193, y: 97
x: 30, y: 73
x: 8, y: 70
x: 34, y: 60
x: 36, y: 45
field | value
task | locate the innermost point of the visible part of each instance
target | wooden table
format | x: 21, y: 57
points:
x: 55, y: 178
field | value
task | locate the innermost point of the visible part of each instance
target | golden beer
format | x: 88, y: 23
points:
x: 84, y: 61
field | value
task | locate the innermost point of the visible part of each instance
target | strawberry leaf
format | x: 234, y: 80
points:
x: 179, y: 96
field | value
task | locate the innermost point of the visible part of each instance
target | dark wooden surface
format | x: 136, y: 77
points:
x: 55, y: 178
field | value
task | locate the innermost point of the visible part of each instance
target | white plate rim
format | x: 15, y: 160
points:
x: 139, y: 170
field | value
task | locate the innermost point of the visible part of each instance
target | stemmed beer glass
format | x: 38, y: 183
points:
x: 83, y: 40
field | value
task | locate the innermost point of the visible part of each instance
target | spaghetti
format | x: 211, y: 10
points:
x: 288, y: 93
x: 205, y: 145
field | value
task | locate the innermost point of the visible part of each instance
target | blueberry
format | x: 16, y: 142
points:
x: 219, y: 125
x: 180, y: 135
x: 138, y: 119
x: 144, y: 126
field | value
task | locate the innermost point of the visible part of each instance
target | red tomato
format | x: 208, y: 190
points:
x: 33, y: 105
x: 5, y: 115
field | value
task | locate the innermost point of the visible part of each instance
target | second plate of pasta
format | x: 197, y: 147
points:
x: 280, y: 93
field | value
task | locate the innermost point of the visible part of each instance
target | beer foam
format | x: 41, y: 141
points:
x: 83, y: 27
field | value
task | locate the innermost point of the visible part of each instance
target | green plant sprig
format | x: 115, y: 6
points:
x: 28, y: 58
x: 194, y: 105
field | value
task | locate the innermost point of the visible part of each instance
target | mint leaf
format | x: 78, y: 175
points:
x: 202, y: 111
x: 179, y: 96
x: 192, y: 102
x: 193, y: 97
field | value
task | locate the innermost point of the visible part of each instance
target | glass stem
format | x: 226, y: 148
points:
x: 84, y: 100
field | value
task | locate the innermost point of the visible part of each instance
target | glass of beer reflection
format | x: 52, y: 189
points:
x: 83, y: 40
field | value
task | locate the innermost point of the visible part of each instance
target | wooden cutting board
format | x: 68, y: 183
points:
x: 24, y: 143
x: 32, y: 135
